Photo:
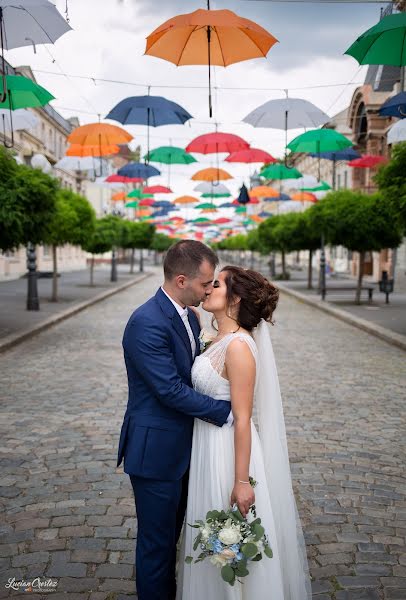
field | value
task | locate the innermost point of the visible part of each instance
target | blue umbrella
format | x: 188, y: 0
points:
x: 394, y: 107
x: 281, y: 198
x: 346, y: 154
x: 162, y: 204
x: 264, y: 213
x: 227, y: 205
x: 138, y: 170
x: 150, y: 111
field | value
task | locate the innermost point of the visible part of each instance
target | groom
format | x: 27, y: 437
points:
x: 160, y: 343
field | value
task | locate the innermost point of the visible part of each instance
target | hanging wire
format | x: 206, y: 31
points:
x: 67, y: 12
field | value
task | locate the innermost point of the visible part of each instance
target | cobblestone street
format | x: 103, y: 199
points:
x: 69, y: 514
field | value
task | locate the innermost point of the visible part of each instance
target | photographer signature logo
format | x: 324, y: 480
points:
x: 43, y: 586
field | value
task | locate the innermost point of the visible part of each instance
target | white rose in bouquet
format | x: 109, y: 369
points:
x: 218, y: 560
x: 229, y: 536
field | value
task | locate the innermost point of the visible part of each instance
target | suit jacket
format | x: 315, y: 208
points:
x: 156, y: 435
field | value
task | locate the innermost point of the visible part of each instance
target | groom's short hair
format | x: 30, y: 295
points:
x: 185, y: 258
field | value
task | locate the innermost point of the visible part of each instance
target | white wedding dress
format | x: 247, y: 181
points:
x: 210, y: 485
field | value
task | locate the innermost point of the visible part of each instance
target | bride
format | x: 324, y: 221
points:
x: 239, y: 366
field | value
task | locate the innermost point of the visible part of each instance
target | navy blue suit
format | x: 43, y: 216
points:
x: 156, y: 436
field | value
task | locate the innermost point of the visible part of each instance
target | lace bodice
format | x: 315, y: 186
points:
x: 207, y: 368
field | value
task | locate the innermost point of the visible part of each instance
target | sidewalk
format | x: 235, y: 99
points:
x: 74, y: 292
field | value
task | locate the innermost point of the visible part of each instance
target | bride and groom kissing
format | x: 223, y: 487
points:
x: 199, y: 424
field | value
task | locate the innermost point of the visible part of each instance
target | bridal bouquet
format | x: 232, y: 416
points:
x: 230, y: 542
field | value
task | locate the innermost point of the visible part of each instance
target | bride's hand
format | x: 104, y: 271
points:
x: 243, y: 495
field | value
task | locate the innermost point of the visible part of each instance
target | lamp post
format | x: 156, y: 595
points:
x: 32, y: 277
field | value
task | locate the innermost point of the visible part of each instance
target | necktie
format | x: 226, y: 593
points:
x: 185, y: 320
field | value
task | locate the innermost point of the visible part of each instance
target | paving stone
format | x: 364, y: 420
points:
x: 358, y: 582
x: 30, y: 559
x: 89, y: 556
x: 114, y: 571
x: 62, y: 569
x: 76, y: 584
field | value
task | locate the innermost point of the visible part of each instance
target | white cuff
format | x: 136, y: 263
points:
x: 230, y: 419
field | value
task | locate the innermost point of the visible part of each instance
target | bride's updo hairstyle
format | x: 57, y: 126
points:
x: 258, y: 296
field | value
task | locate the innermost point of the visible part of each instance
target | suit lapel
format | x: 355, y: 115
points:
x: 171, y: 312
x: 194, y: 323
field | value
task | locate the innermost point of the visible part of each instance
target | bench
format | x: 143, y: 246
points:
x: 367, y: 287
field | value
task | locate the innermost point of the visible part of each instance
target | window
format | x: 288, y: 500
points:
x: 46, y: 251
x: 346, y: 179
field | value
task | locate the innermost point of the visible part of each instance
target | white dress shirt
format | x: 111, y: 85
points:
x: 183, y: 313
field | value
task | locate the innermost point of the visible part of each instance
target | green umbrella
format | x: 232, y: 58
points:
x: 170, y: 155
x: 383, y: 44
x: 210, y: 195
x: 132, y: 204
x: 240, y: 209
x: 201, y: 220
x: 279, y: 171
x: 319, y: 140
x: 139, y: 195
x: 322, y: 187
x: 24, y: 93
x: 206, y: 205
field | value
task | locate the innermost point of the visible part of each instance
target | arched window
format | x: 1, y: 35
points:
x: 361, y: 125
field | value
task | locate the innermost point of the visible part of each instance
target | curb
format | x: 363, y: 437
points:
x: 395, y: 339
x: 16, y: 338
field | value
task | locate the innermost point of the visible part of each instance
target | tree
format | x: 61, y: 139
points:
x: 391, y: 180
x: 253, y: 244
x: 361, y: 223
x: 114, y: 230
x: 138, y: 235
x: 306, y: 236
x: 73, y: 223
x: 98, y: 242
x: 161, y: 243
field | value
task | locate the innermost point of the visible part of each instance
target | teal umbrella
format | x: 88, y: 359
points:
x: 280, y: 171
x: 319, y: 140
x: 170, y: 155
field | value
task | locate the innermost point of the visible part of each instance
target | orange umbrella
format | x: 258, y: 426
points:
x: 264, y: 191
x: 103, y: 150
x: 142, y: 213
x: 96, y: 134
x: 256, y: 218
x: 119, y: 196
x: 186, y: 200
x: 211, y: 174
x: 209, y: 37
x: 304, y: 197
x: 208, y: 210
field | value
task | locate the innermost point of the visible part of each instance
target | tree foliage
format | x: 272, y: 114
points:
x: 391, y: 180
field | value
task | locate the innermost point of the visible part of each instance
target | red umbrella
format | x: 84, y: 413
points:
x: 120, y: 179
x: 251, y: 155
x: 367, y: 161
x: 213, y: 143
x: 157, y: 189
x: 222, y: 221
x: 147, y: 202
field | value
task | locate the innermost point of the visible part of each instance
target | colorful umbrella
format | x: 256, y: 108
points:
x: 322, y: 186
x: 119, y: 196
x: 18, y: 119
x: 222, y: 221
x: 279, y: 171
x: 394, y: 107
x: 170, y: 155
x: 77, y: 163
x: 305, y: 181
x: 209, y: 37
x: 138, y: 194
x: 208, y: 190
x: 157, y: 189
x: 217, y: 142
x: 95, y: 134
x: 263, y: 191
x: 147, y: 202
x: 304, y: 197
x: 138, y: 170
x: 211, y: 174
x: 96, y: 151
x: 280, y: 198
x: 206, y: 206
x: 226, y: 205
x: 368, y: 161
x: 131, y: 204
x: 319, y: 140
x: 382, y: 44
x: 209, y: 210
x: 251, y: 155
x: 265, y: 214
x: 120, y: 179
x: 186, y: 200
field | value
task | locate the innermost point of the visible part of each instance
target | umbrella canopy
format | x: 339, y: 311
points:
x: 264, y: 191
x: 222, y: 221
x: 138, y: 194
x: 280, y: 171
x: 243, y: 196
x: 211, y: 174
x: 209, y: 37
x: 394, y: 107
x: 119, y: 196
x: 279, y: 198
x: 347, y: 154
x: 240, y: 210
x: 22, y: 92
x: 206, y: 206
x: 208, y: 190
x: 209, y: 210
x: 138, y: 170
x: 322, y: 186
x: 19, y: 119
x: 319, y: 140
x: 120, y: 179
x: 77, y: 163
x: 368, y: 161
x: 95, y: 134
x: 157, y: 189
x: 147, y: 202
x: 214, y: 196
x: 30, y: 22
x: 170, y: 155
x: 397, y: 133
x: 306, y: 181
x: 251, y: 155
x: 265, y: 214
x: 214, y: 143
x: 149, y: 110
x: 131, y: 204
x: 186, y: 200
x: 200, y: 220
x: 226, y: 205
x: 287, y: 113
x: 304, y: 197
x: 96, y: 151
x: 382, y: 44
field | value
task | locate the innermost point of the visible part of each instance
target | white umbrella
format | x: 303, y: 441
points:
x: 77, y: 163
x: 287, y: 113
x: 30, y: 22
x: 207, y: 187
x: 21, y: 119
x: 290, y: 206
x: 397, y: 133
x: 306, y: 181
x: 39, y: 161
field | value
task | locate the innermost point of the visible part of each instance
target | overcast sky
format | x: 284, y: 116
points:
x: 108, y: 41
